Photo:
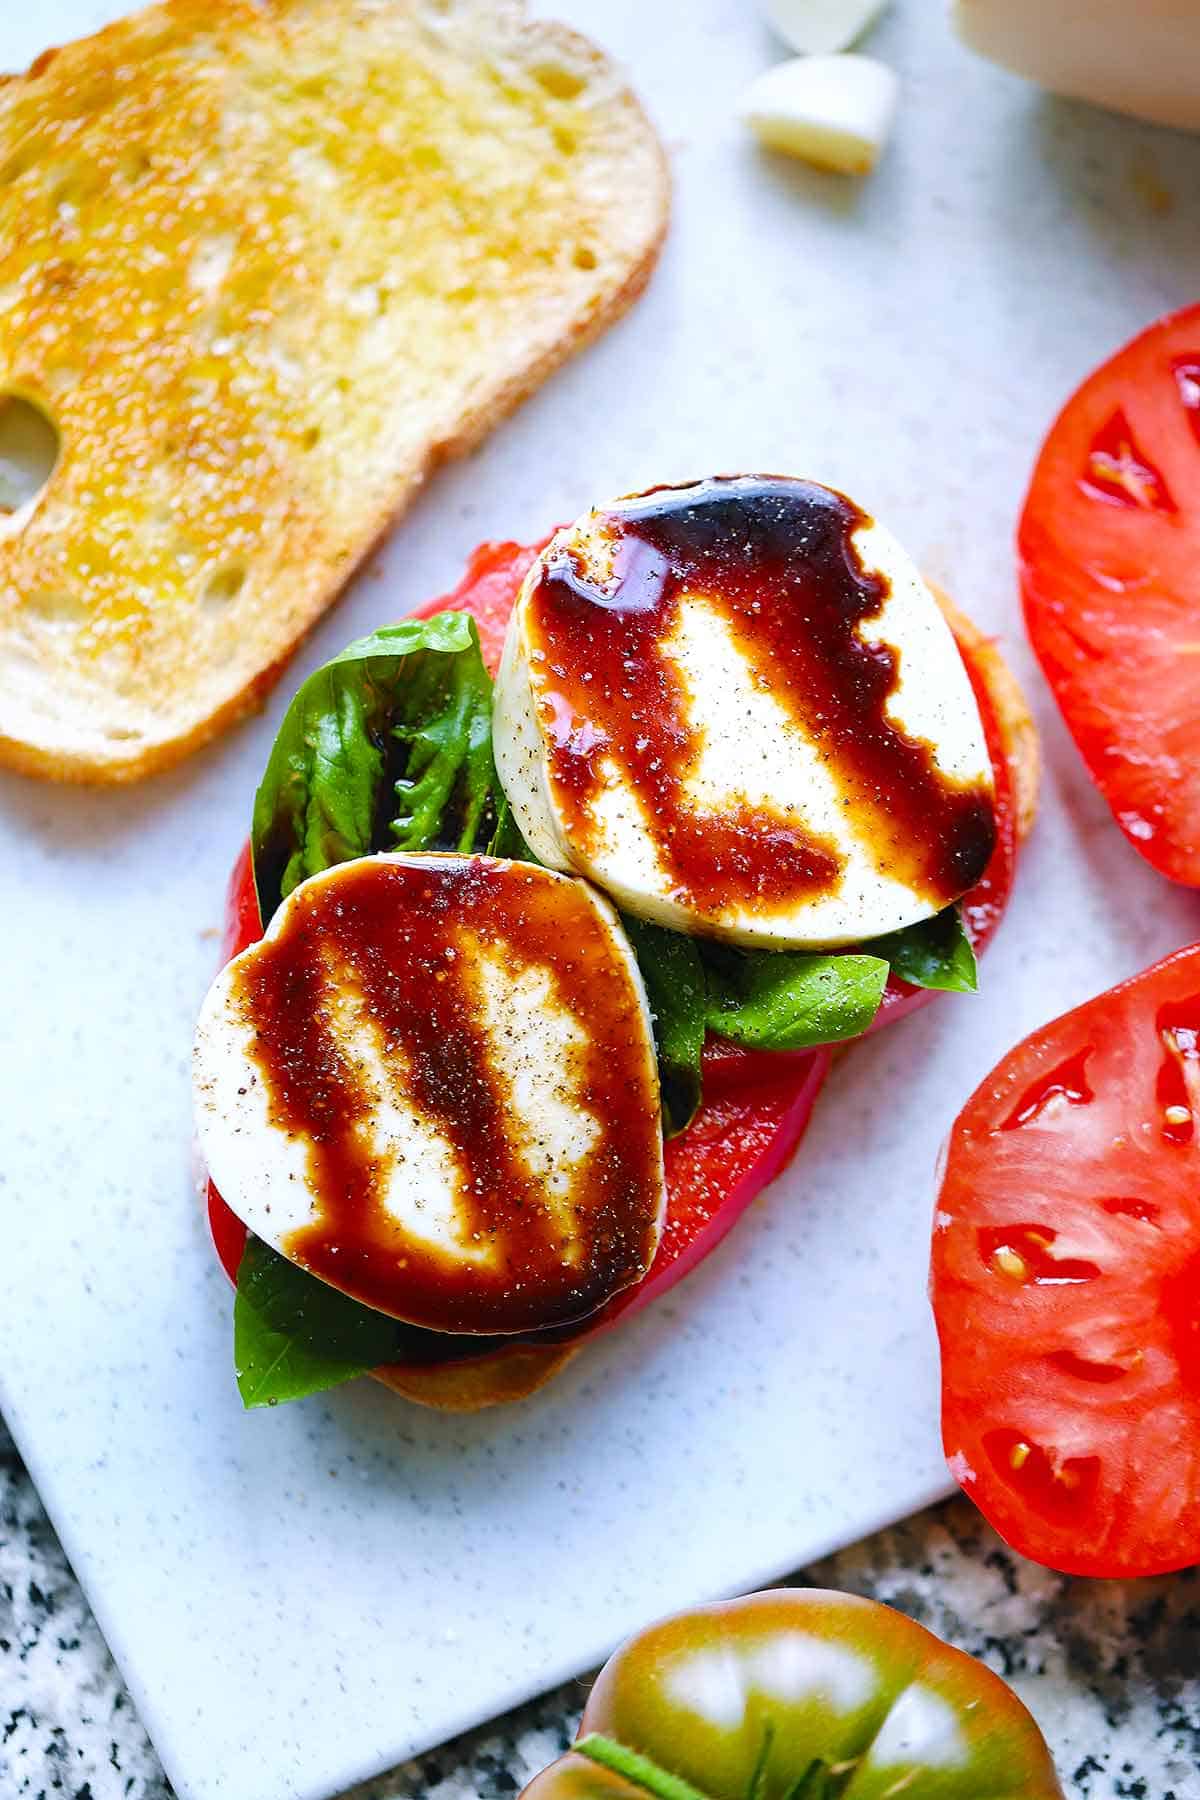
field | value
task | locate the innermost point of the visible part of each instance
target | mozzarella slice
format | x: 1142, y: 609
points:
x: 833, y: 111
x: 737, y: 708
x: 433, y: 1084
x: 1143, y: 59
x: 819, y: 27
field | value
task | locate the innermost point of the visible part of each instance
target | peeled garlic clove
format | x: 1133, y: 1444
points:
x: 834, y: 111
x: 818, y: 27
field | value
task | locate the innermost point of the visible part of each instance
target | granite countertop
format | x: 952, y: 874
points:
x: 1111, y: 1669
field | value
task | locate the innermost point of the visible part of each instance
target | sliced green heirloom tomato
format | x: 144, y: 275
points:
x: 1066, y: 1284
x: 799, y: 1694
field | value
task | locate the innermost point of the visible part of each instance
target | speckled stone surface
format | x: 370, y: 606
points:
x: 1111, y: 1669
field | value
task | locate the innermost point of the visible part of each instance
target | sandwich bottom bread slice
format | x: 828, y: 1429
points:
x: 264, y: 264
x: 429, y: 1097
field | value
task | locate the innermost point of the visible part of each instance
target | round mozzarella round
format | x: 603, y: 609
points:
x: 737, y: 708
x: 433, y: 1085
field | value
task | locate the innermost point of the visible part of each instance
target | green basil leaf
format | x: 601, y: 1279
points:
x: 388, y: 746
x: 936, y: 953
x: 294, y: 1335
x: 791, y: 1000
x: 678, y: 994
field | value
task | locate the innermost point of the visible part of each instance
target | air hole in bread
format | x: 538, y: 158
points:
x: 57, y: 609
x: 29, y: 447
x: 584, y: 258
x: 312, y: 437
x: 560, y: 82
x: 121, y: 734
x: 565, y: 140
x: 223, y: 586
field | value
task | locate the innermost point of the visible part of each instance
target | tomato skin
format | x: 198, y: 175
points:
x: 1109, y: 553
x: 488, y: 591
x: 738, y: 1699
x: 1066, y: 1284
x: 242, y: 924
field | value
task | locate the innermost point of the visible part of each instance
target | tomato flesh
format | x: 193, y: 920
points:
x: 1109, y: 547
x: 756, y: 1104
x: 1066, y: 1284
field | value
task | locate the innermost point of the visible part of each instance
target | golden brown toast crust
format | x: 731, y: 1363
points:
x: 515, y: 1373
x: 487, y: 1381
x: 266, y: 266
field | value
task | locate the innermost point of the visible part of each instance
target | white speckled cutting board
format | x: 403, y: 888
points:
x: 298, y: 1598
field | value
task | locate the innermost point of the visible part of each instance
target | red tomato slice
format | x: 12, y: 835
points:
x: 1066, y: 1284
x: 1109, y: 546
x: 488, y: 591
x: 756, y: 1105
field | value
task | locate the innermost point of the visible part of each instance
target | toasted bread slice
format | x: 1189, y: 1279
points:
x: 518, y: 1371
x: 264, y: 263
